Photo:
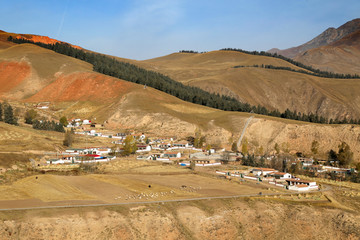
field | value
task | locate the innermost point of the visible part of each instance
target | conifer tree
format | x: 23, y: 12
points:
x: 1, y: 112
x: 9, y: 115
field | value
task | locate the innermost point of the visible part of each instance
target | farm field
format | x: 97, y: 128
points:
x: 137, y: 181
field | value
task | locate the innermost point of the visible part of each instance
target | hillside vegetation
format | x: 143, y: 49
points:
x: 130, y: 72
x: 271, y: 88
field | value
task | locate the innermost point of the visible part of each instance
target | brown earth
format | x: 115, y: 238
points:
x: 83, y: 87
x: 209, y: 219
x: 53, y: 190
x: 12, y: 75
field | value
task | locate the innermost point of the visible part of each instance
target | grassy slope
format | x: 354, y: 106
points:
x: 280, y: 89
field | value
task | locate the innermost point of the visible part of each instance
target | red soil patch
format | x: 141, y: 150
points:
x: 12, y: 74
x: 44, y: 39
x: 82, y: 87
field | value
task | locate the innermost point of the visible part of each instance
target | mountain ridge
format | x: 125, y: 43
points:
x: 342, y: 56
x: 329, y: 36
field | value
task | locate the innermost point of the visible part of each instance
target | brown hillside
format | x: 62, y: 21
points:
x: 35, y: 38
x: 12, y: 74
x: 43, y: 67
x: 342, y: 56
x: 273, y: 89
x: 75, y: 91
x: 43, y: 39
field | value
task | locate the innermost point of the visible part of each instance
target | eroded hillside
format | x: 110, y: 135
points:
x: 209, y: 219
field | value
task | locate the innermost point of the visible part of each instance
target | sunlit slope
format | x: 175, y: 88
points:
x: 342, y: 56
x: 75, y: 91
x: 26, y: 68
x: 274, y: 89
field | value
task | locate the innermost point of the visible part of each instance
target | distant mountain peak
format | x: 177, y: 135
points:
x: 327, y: 37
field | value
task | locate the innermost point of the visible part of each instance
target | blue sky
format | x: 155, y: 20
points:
x: 142, y: 29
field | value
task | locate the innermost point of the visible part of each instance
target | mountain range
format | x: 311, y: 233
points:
x: 30, y: 74
x: 334, y: 50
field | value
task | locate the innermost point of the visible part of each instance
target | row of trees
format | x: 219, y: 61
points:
x: 189, y: 51
x: 7, y: 114
x: 48, y: 125
x: 129, y: 72
x: 31, y: 118
x: 298, y: 71
x: 316, y: 72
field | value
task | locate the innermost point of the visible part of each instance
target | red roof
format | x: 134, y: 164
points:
x: 92, y: 155
x: 278, y: 173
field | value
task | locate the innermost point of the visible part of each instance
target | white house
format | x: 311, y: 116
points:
x: 262, y: 171
x: 164, y: 145
x: 86, y: 122
x: 143, y: 148
x: 102, y: 151
x: 171, y: 155
x: 76, y: 151
x: 279, y: 175
x: 301, y: 185
x: 181, y: 144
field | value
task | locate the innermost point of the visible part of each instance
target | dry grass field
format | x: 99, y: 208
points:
x: 214, y: 72
x: 123, y: 180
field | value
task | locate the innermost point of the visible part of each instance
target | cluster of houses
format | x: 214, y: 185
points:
x: 82, y: 155
x: 273, y: 177
x: 309, y: 165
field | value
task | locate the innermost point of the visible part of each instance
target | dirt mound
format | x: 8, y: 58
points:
x: 12, y: 74
x: 82, y: 87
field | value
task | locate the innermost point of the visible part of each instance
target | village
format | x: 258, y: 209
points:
x: 182, y: 153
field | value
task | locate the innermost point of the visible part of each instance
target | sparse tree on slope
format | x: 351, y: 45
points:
x: 63, y: 121
x: 30, y: 116
x: 315, y: 147
x: 129, y: 145
x: 1, y: 112
x: 9, y: 115
x: 69, y: 138
x: 345, y: 156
